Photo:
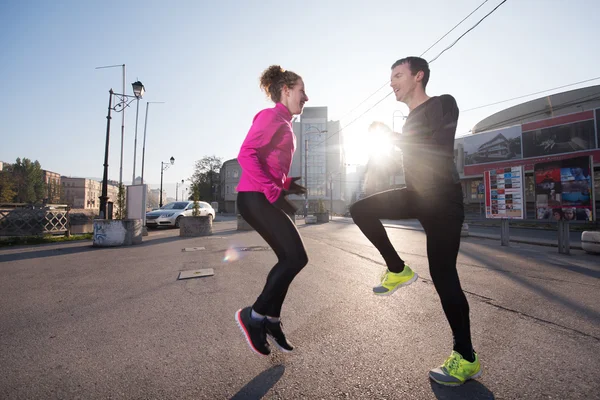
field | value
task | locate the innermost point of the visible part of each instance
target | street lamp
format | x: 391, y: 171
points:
x: 306, y: 167
x: 122, y: 120
x: 138, y: 91
x: 118, y: 107
x: 144, y: 145
x: 163, y: 166
x: 177, y: 190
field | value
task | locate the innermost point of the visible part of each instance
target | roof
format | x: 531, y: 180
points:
x: 572, y: 101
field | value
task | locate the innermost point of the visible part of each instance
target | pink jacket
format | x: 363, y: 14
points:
x: 266, y: 154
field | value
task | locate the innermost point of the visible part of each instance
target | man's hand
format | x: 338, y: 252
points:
x: 380, y: 126
x: 296, y: 188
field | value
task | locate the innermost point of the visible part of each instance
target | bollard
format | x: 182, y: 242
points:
x: 504, y: 235
x: 564, y: 246
x: 464, y: 232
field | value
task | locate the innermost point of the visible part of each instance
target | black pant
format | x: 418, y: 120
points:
x: 278, y: 230
x: 441, y: 213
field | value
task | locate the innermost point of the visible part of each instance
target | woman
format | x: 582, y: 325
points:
x: 266, y: 158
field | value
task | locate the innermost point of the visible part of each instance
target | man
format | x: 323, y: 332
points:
x: 433, y: 194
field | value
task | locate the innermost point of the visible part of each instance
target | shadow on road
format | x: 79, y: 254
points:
x: 258, y: 387
x: 55, y: 251
x: 470, y: 390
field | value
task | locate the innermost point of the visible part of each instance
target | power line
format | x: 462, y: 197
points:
x: 530, y: 94
x: 435, y: 58
x: 455, y: 26
x: 422, y: 54
x: 469, y: 30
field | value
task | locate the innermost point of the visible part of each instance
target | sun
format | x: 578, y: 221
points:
x: 374, y: 144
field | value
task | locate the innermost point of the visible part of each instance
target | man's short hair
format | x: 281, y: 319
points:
x: 415, y: 64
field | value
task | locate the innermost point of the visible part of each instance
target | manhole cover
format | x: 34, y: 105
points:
x: 196, y: 273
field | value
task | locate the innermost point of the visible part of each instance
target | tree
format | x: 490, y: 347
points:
x: 7, y: 187
x: 205, y: 179
x: 121, y: 203
x: 29, y: 181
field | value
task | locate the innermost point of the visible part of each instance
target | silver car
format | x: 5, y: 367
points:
x: 171, y: 214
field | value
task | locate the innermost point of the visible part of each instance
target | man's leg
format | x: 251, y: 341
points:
x: 443, y: 243
x: 390, y: 204
x: 367, y: 213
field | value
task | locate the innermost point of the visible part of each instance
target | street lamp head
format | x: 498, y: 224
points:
x: 172, y: 160
x: 182, y: 181
x: 138, y: 89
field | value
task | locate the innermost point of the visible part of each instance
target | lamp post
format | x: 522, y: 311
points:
x: 118, y: 107
x: 306, y: 167
x: 144, y: 145
x: 122, y: 121
x: 177, y: 190
x: 331, y: 175
x: 163, y: 166
x: 138, y: 91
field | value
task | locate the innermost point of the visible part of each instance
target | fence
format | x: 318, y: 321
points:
x: 33, y: 220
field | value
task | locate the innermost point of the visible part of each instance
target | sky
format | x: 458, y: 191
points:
x: 203, y: 60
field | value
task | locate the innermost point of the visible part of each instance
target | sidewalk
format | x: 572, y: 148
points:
x: 515, y: 238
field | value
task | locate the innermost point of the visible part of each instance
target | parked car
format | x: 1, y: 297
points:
x: 171, y: 214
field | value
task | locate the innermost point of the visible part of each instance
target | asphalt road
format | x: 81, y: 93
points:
x: 81, y: 322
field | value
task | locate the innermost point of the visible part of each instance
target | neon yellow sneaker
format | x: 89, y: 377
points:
x: 456, y: 370
x: 390, y: 281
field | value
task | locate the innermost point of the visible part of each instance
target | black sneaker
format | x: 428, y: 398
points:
x: 275, y: 331
x: 254, y: 331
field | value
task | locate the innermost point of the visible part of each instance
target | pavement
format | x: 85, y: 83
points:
x: 536, y: 236
x: 99, y: 323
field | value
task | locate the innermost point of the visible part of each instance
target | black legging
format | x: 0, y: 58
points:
x: 278, y: 230
x: 441, y: 214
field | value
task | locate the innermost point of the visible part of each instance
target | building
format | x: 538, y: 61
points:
x: 53, y: 186
x: 83, y: 193
x: 229, y: 178
x: 552, y: 128
x: 320, y: 160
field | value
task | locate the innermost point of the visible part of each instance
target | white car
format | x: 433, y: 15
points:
x: 171, y: 214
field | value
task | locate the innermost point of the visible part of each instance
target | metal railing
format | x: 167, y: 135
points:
x: 18, y: 219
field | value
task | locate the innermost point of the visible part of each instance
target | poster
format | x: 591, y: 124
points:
x: 563, y: 190
x: 576, y: 136
x: 493, y: 146
x: 504, y: 197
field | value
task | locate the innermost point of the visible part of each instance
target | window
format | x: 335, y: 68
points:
x: 236, y: 173
x: 227, y: 189
x: 229, y: 174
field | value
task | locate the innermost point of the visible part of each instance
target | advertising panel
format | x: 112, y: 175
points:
x: 563, y: 190
x: 504, y: 196
x: 499, y: 145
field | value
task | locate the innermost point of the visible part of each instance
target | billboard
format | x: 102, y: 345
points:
x: 493, y: 146
x: 598, y: 127
x: 504, y: 197
x: 576, y: 136
x: 564, y: 190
